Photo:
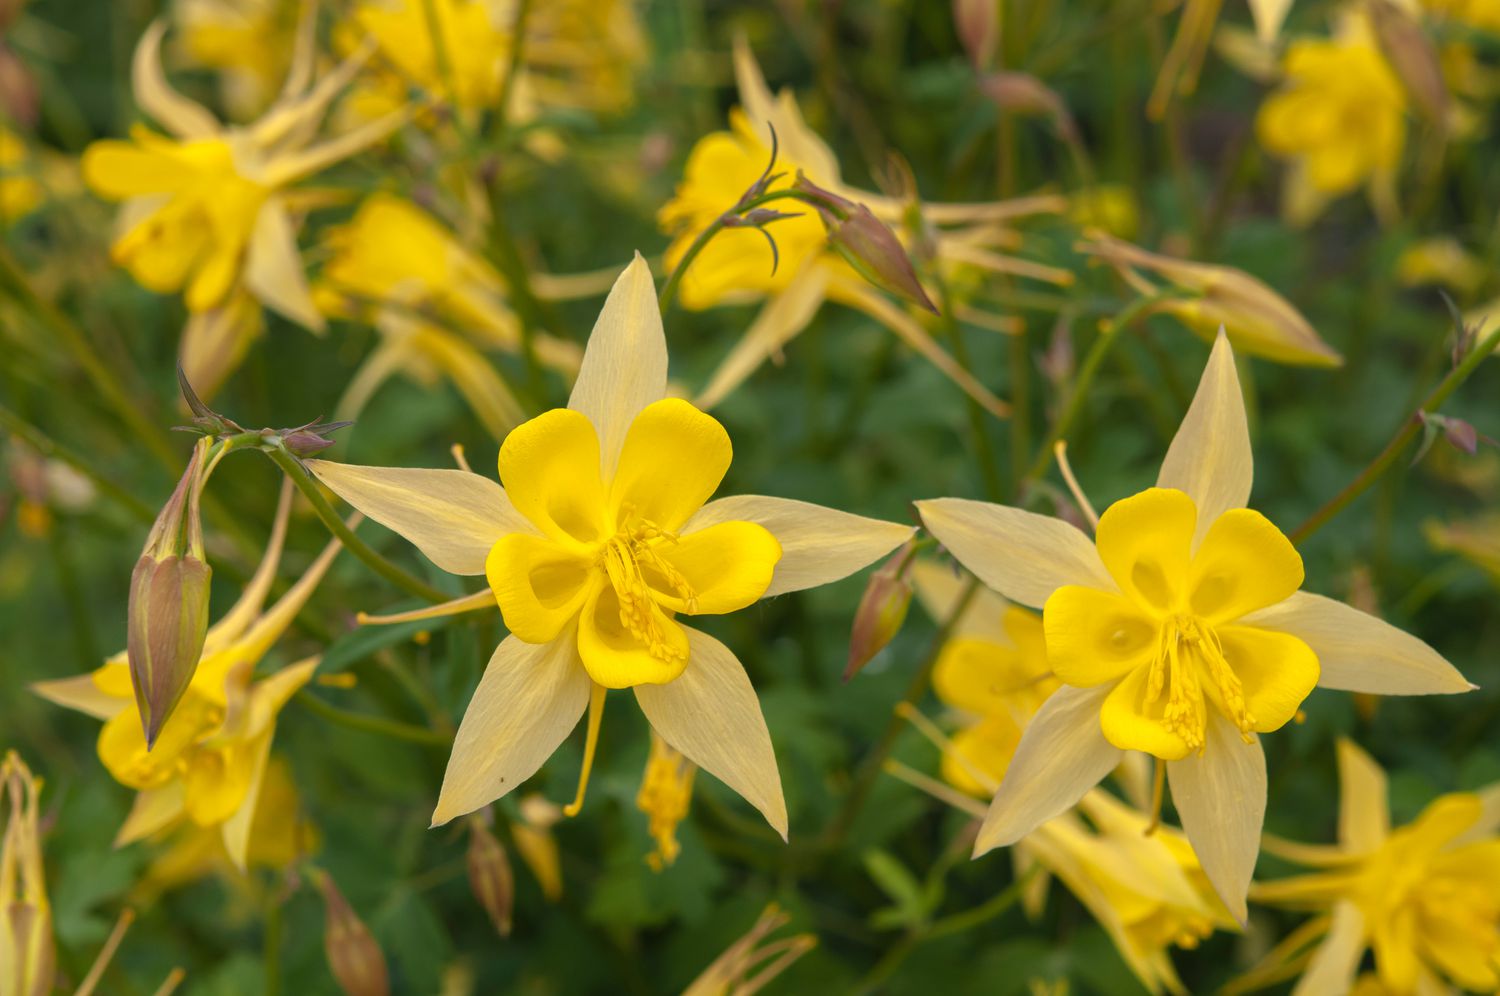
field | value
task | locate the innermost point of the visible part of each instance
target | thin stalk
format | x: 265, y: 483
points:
x: 1097, y: 353
x: 870, y: 767
x: 103, y: 378
x: 271, y: 954
x: 377, y: 725
x: 1387, y: 457
x: 669, y: 289
x: 309, y: 488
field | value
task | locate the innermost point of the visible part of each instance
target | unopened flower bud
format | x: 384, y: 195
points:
x: 490, y: 876
x: 1024, y: 94
x: 867, y: 244
x: 168, y: 603
x: 305, y: 440
x: 881, y: 611
x: 978, y: 26
x: 354, y: 958
x: 19, y: 98
x: 1414, y: 58
x: 27, y: 952
x: 1256, y: 318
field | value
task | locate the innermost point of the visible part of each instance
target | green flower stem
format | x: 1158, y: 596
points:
x: 669, y: 289
x: 1388, y: 456
x: 309, y: 488
x: 13, y: 281
x: 1098, y: 352
x: 50, y: 448
x: 954, y: 923
x: 870, y: 767
x: 377, y: 725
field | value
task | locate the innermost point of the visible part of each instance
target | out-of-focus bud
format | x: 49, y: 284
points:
x: 305, y: 440
x: 168, y: 604
x: 665, y: 796
x: 490, y: 877
x: 19, y: 99
x: 881, y: 611
x: 866, y: 243
x: 27, y: 954
x: 1257, y: 320
x: 1414, y: 58
x: 978, y: 25
x: 536, y: 845
x: 354, y: 958
x: 1024, y: 94
x: 1459, y: 434
x: 747, y: 965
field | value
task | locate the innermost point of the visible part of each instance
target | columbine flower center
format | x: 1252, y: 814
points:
x: 1188, y: 653
x: 626, y: 557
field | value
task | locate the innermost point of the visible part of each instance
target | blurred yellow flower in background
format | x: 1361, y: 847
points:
x: 1425, y: 897
x: 666, y: 794
x: 20, y: 192
x: 208, y: 763
x: 1339, y: 117
x: 249, y: 43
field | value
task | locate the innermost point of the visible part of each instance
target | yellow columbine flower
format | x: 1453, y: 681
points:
x: 395, y: 266
x: 208, y: 764
x: 207, y: 210
x: 1180, y: 631
x: 247, y: 41
x: 1143, y: 884
x: 665, y: 795
x: 1425, y: 897
x: 992, y: 672
x: 598, y: 540
x: 1339, y: 117
x: 736, y: 265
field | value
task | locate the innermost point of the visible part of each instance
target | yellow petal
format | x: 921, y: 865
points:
x: 1210, y: 458
x: 1061, y: 756
x: 1335, y: 962
x: 1022, y: 555
x: 530, y: 698
x: 1095, y: 636
x: 1364, y: 812
x: 1130, y: 722
x: 550, y: 468
x: 236, y: 830
x: 274, y: 272
x: 153, y: 810
x: 1146, y: 543
x: 798, y: 143
x: 940, y: 585
x: 711, y: 716
x: 179, y: 115
x: 117, y: 170
x: 818, y: 545
x: 215, y: 783
x: 624, y: 365
x: 1358, y: 652
x: 539, y: 584
x: 1244, y: 563
x: 988, y: 747
x: 1268, y: 16
x: 1276, y: 671
x: 1394, y: 939
x: 615, y: 657
x: 727, y: 566
x: 454, y: 517
x: 985, y: 677
x: 1220, y: 795
x: 671, y: 462
x: 83, y: 694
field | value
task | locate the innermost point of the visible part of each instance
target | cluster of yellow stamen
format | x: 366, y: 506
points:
x: 1187, y: 652
x: 626, y: 557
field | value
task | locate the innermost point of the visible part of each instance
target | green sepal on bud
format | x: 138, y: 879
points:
x: 882, y: 610
x: 356, y: 961
x: 168, y: 606
x: 490, y: 876
x: 866, y: 243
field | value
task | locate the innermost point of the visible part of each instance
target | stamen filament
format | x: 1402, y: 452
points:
x: 935, y: 788
x: 1060, y: 453
x: 940, y: 740
x: 596, y: 717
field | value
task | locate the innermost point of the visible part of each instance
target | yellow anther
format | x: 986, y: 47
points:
x: 1188, y: 653
x: 626, y: 557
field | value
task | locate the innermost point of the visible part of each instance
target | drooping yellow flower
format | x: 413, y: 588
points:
x: 736, y: 265
x: 1179, y: 631
x: 665, y: 795
x: 1339, y: 117
x: 208, y: 764
x: 1477, y: 540
x: 992, y: 673
x: 1424, y: 897
x: 249, y: 42
x: 207, y: 208
x: 397, y: 267
x: 20, y: 191
x: 1144, y: 885
x: 598, y: 541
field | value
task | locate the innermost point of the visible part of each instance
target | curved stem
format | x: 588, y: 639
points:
x: 303, y: 480
x: 1386, y: 458
x: 669, y: 289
